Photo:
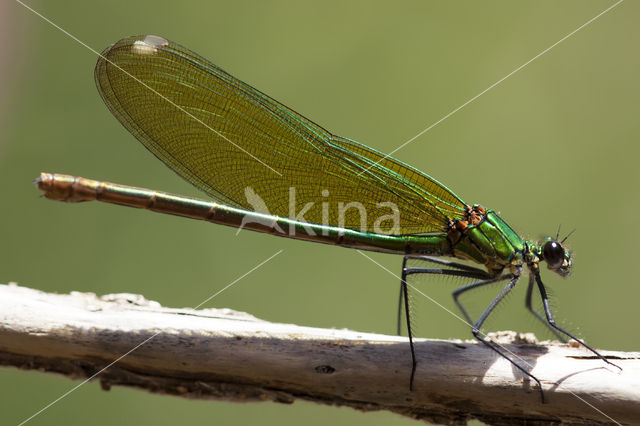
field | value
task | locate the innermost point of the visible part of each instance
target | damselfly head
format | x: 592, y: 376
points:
x: 558, y: 258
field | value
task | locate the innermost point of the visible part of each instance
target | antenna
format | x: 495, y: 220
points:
x: 568, y: 235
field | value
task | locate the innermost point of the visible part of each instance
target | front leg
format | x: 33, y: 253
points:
x: 552, y: 321
x: 528, y: 305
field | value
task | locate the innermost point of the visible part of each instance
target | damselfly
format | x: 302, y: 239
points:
x: 269, y: 169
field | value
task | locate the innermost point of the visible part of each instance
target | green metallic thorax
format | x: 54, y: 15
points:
x: 492, y: 242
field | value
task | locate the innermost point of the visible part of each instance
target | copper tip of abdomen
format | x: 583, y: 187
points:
x: 56, y: 186
x: 43, y: 181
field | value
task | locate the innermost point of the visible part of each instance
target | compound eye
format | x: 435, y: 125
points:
x: 553, y: 253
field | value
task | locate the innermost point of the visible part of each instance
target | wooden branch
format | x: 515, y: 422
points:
x: 223, y: 354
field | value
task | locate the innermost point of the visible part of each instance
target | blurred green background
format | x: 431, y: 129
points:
x: 556, y: 143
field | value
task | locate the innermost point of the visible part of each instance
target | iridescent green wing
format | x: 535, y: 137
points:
x: 249, y: 151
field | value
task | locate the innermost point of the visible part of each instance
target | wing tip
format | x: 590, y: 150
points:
x: 148, y: 45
